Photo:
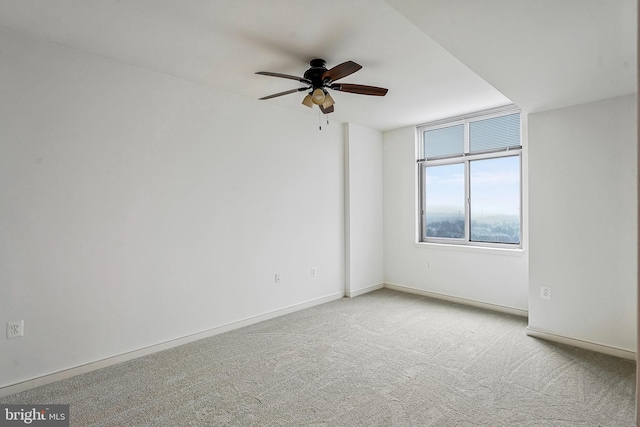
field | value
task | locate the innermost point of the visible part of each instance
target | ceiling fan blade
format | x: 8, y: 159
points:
x: 286, y: 92
x: 326, y: 110
x: 340, y: 71
x: 360, y: 89
x: 284, y: 76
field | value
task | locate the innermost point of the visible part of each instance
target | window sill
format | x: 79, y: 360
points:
x: 517, y: 252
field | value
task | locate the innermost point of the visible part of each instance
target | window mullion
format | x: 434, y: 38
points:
x: 467, y: 204
x: 467, y: 186
x: 423, y: 202
x: 467, y: 146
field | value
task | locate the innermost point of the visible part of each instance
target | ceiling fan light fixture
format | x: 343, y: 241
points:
x: 328, y: 101
x: 318, y: 96
x: 308, y: 101
x: 317, y: 79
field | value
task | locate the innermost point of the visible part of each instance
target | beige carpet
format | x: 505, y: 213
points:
x: 381, y: 359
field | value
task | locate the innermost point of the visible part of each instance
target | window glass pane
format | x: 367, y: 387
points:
x: 495, y: 133
x: 444, y: 201
x: 444, y: 141
x: 495, y: 200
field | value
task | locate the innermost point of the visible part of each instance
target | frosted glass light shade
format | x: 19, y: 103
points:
x: 318, y: 96
x: 307, y: 101
x: 328, y: 101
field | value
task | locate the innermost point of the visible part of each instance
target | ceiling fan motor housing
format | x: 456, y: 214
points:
x: 318, y: 68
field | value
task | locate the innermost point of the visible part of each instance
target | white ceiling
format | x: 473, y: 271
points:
x: 540, y: 53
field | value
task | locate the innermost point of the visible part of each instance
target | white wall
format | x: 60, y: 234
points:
x: 583, y: 214
x: 137, y: 208
x: 488, y: 276
x: 363, y: 176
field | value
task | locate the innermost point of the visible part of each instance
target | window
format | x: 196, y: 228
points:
x: 470, y: 180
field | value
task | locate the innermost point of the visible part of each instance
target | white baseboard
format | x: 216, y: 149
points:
x: 353, y: 294
x: 575, y: 342
x: 103, y: 363
x: 458, y: 300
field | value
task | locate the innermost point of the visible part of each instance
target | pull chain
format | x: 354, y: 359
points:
x: 320, y: 120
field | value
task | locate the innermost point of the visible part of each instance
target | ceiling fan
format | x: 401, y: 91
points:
x: 318, y: 79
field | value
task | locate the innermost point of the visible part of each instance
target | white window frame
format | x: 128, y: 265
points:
x: 464, y: 158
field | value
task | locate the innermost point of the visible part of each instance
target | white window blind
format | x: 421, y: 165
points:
x: 446, y: 141
x: 494, y: 134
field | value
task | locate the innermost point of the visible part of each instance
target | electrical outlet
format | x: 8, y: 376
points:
x: 428, y: 265
x: 277, y: 278
x: 545, y: 293
x: 15, y: 329
x: 314, y: 271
